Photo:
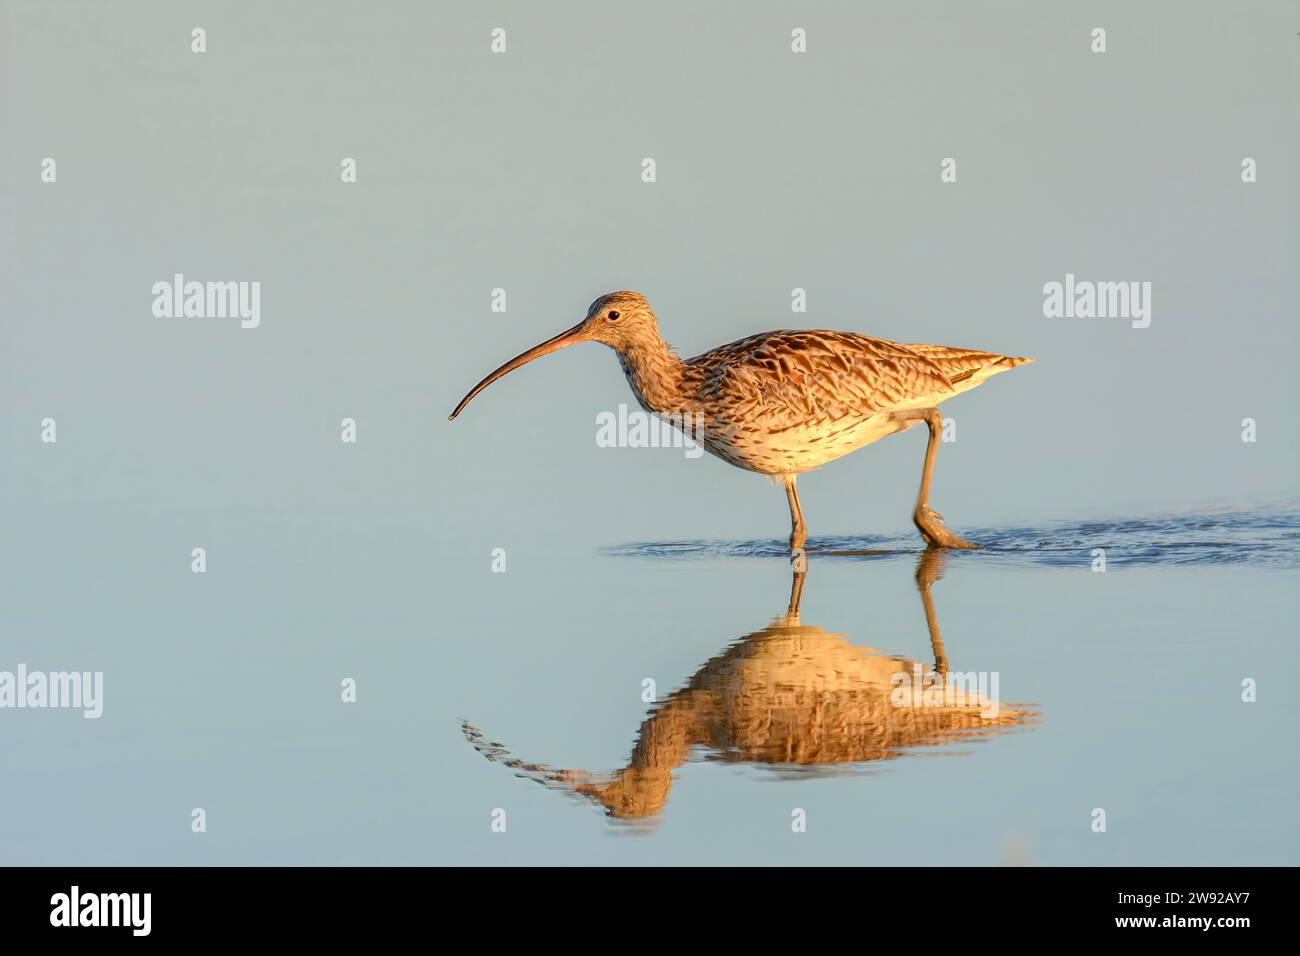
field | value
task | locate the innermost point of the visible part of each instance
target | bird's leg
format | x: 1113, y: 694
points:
x: 929, y: 522
x: 798, y: 531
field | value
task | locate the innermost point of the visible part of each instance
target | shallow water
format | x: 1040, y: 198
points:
x: 1258, y: 537
x: 798, y: 701
x: 1119, y: 690
x: 1127, y: 690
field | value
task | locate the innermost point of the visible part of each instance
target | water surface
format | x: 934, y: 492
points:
x: 1120, y: 690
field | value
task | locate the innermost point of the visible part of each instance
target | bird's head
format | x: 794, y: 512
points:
x: 621, y: 320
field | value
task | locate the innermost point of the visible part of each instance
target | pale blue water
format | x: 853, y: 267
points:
x: 223, y: 693
x: 1265, y: 537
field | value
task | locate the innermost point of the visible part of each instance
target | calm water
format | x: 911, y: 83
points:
x: 1119, y: 690
x: 1261, y: 537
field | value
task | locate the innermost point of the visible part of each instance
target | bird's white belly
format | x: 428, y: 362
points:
x: 799, y: 449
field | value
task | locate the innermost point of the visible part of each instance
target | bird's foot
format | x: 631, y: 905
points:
x: 798, y: 558
x: 930, y: 523
x: 798, y: 538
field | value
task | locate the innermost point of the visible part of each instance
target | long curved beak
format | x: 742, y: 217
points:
x: 570, y: 337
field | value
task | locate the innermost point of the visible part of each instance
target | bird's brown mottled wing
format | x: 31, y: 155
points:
x: 786, y: 379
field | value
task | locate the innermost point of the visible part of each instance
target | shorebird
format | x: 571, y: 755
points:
x: 783, y: 403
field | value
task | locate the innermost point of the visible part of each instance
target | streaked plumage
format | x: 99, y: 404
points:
x: 785, y: 402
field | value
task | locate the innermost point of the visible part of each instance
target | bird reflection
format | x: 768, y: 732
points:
x: 794, y: 698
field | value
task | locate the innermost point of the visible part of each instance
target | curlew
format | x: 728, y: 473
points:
x: 783, y: 403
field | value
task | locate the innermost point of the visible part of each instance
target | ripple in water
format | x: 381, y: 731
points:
x: 1258, y: 537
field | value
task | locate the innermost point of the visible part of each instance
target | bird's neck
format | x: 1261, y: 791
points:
x: 655, y: 373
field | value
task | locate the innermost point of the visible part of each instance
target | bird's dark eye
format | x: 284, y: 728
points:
x: 613, y: 316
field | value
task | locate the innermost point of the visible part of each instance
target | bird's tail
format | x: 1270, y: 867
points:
x: 966, y: 368
x: 958, y: 365
x: 1011, y: 361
